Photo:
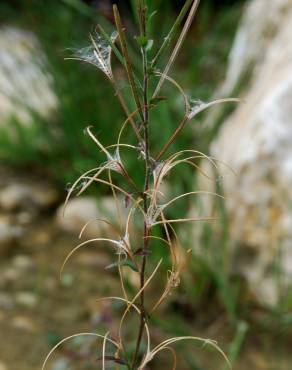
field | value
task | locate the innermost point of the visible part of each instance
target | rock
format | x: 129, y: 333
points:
x: 13, y: 197
x: 17, y: 196
x: 45, y: 196
x: 23, y: 263
x: 3, y: 366
x: 24, y: 218
x: 23, y: 323
x: 251, y: 46
x: 83, y: 209
x: 254, y: 38
x: 9, y: 233
x: 26, y: 299
x: 22, y: 69
x: 9, y: 275
x: 255, y: 141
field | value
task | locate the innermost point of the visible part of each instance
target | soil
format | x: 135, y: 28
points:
x: 37, y: 309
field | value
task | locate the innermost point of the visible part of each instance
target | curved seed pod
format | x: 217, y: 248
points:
x: 98, y: 53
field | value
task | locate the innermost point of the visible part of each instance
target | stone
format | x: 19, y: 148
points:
x: 81, y: 210
x: 255, y: 141
x: 45, y: 196
x: 3, y: 366
x: 23, y: 323
x: 9, y: 233
x: 12, y: 197
x: 10, y: 275
x: 26, y: 299
x: 254, y: 38
x: 23, y: 263
x: 22, y: 195
x: 251, y: 46
x: 22, y: 69
x: 24, y: 218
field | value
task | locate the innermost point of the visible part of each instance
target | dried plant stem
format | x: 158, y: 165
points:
x: 171, y: 33
x: 126, y: 110
x: 128, y: 64
x: 177, y: 46
x: 142, y: 16
x: 147, y: 200
x: 190, y: 115
x: 173, y: 137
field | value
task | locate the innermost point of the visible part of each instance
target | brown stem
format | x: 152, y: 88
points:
x: 142, y: 11
x: 126, y: 110
x: 128, y: 63
x: 173, y: 137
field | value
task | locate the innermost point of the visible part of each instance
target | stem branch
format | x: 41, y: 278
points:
x: 142, y: 13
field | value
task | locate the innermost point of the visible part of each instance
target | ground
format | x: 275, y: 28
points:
x: 37, y: 309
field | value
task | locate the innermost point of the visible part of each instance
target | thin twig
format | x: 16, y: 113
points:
x: 128, y: 63
x: 177, y: 46
x: 171, y: 33
x: 142, y: 16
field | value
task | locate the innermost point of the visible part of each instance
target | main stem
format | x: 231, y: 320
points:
x: 145, y: 193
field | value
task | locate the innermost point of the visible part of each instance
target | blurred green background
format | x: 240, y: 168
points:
x: 84, y: 97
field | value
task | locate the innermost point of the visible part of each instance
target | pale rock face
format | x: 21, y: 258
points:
x: 256, y: 142
x: 25, y: 84
x: 260, y: 25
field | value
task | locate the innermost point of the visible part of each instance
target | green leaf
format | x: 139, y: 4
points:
x: 142, y: 41
x: 151, y: 15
